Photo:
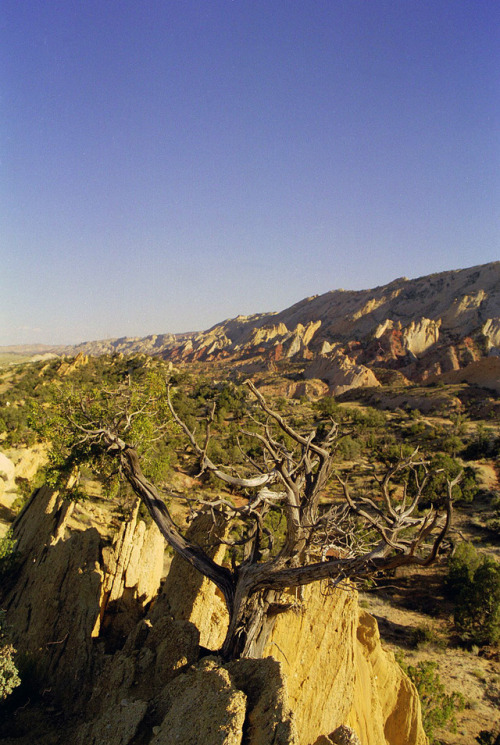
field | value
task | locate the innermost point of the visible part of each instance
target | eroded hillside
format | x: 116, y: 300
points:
x: 421, y: 328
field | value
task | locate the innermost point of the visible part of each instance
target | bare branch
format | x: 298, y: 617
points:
x: 207, y: 464
x: 284, y: 426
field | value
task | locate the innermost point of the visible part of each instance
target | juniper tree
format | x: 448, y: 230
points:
x: 350, y: 534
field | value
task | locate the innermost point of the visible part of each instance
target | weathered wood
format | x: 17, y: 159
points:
x: 158, y: 510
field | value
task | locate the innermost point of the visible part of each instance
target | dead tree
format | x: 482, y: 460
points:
x: 352, y: 537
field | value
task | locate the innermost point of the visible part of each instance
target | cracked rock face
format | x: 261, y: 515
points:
x: 244, y: 702
x: 201, y: 706
x: 335, y: 670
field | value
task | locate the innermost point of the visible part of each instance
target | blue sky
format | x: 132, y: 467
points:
x: 168, y: 164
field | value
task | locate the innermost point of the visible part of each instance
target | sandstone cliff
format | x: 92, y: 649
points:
x: 325, y: 676
x: 385, y: 706
x: 68, y: 584
x: 484, y: 373
x: 7, y: 478
x: 330, y: 652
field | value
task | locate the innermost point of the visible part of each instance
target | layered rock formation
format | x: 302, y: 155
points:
x: 484, y: 373
x: 66, y: 368
x: 421, y: 327
x: 132, y: 570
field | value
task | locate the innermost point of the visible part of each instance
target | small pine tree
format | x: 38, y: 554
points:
x: 474, y: 583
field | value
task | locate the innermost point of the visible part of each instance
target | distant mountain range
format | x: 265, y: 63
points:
x: 418, y: 328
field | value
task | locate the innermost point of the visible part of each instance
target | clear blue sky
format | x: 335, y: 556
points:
x: 167, y: 164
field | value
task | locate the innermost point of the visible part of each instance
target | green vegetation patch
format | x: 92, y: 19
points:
x: 438, y: 707
x: 474, y: 584
x: 9, y: 675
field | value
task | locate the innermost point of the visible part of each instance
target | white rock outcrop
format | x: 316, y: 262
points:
x: 420, y: 335
x: 341, y: 373
x: 491, y: 330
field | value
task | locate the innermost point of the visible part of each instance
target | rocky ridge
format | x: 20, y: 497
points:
x: 422, y: 328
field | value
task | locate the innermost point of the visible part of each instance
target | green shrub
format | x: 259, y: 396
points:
x: 452, y: 445
x: 484, y: 445
x: 438, y: 707
x: 368, y: 419
x: 461, y: 567
x: 327, y: 406
x: 445, y: 467
x: 8, y: 554
x: 423, y: 635
x: 474, y: 584
x: 9, y: 677
x: 349, y: 448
